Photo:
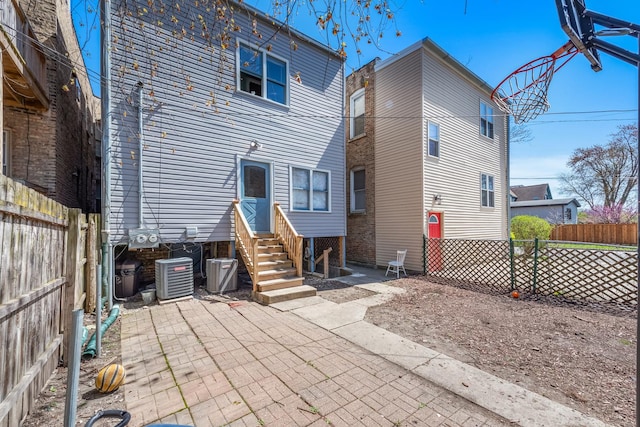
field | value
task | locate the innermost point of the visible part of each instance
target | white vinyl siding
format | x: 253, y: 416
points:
x: 486, y: 120
x: 358, y: 190
x: 192, y: 145
x: 356, y: 107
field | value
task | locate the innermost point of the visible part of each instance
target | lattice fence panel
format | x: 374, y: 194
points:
x: 483, y: 264
x: 588, y: 275
x: 322, y: 243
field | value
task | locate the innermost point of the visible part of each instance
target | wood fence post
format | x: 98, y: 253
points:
x: 71, y: 274
x: 92, y: 260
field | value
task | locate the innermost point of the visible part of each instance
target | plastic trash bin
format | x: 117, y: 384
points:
x: 128, y: 278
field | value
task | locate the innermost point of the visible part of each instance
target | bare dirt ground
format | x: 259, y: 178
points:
x: 580, y: 357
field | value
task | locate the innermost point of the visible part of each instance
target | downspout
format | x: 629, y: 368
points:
x: 140, y: 148
x: 105, y: 95
x: 508, y: 171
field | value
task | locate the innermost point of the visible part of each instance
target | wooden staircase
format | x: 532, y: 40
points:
x: 277, y: 278
x: 274, y: 261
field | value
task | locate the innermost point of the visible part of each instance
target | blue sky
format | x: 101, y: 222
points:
x: 493, y: 38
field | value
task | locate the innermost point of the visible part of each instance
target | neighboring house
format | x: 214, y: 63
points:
x: 531, y: 192
x: 50, y: 141
x: 555, y: 211
x: 435, y: 148
x: 202, y: 119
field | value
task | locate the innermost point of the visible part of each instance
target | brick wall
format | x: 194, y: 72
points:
x: 54, y: 151
x: 361, y: 231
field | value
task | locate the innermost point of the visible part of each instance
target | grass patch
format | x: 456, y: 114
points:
x: 593, y: 246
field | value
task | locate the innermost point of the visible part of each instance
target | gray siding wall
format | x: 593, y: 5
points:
x: 453, y: 102
x: 553, y: 214
x: 398, y: 161
x: 196, y: 126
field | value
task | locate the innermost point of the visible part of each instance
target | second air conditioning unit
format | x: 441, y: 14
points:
x: 174, y: 277
x: 222, y: 275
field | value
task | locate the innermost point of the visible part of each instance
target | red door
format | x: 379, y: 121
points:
x: 435, y: 232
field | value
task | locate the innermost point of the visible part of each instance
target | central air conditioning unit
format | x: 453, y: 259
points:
x: 174, y: 277
x: 222, y: 275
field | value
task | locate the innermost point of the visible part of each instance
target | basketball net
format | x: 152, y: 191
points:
x: 523, y: 94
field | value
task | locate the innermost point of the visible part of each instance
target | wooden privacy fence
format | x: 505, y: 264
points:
x: 617, y: 234
x: 45, y: 253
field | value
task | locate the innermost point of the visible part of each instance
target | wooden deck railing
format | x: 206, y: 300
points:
x: 17, y: 29
x: 291, y: 240
x: 246, y: 243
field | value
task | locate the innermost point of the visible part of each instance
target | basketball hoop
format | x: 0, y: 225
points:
x: 523, y: 94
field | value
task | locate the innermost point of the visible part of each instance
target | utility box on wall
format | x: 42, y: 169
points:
x: 222, y: 275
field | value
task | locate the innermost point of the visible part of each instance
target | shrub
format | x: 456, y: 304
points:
x: 527, y: 227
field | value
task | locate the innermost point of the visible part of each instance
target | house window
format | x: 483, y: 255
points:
x: 433, y: 139
x: 356, y: 106
x: 487, y: 193
x: 358, y: 201
x: 486, y: 120
x: 6, y: 153
x: 262, y: 74
x: 310, y: 190
x: 567, y: 214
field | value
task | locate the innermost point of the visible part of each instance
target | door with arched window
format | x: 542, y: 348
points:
x: 435, y: 232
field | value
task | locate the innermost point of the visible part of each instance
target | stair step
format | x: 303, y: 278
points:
x: 279, y: 295
x: 275, y: 256
x: 264, y: 265
x: 274, y: 284
x: 269, y: 249
x: 268, y: 242
x: 275, y: 273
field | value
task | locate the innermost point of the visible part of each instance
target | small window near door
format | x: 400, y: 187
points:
x: 310, y: 190
x: 254, y: 182
x: 433, y: 139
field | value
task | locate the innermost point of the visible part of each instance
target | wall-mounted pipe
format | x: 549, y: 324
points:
x: 140, y: 149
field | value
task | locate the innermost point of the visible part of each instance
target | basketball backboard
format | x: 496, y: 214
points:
x: 579, y: 28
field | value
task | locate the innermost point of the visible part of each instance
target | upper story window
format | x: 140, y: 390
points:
x: 6, y: 153
x: 310, y: 190
x: 433, y: 139
x: 356, y: 107
x: 262, y: 74
x: 487, y: 193
x: 358, y: 186
x: 486, y: 120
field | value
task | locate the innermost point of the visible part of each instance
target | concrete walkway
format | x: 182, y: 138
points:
x: 308, y: 362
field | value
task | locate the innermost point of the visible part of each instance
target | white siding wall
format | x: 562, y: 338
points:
x: 454, y: 103
x: 191, y: 150
x: 398, y: 161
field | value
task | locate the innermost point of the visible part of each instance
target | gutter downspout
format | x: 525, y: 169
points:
x: 508, y: 171
x: 105, y: 95
x: 140, y: 148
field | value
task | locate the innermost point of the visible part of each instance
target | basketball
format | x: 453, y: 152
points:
x: 110, y: 378
x: 515, y: 294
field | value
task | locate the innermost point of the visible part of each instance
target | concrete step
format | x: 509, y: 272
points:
x: 274, y: 284
x: 264, y: 265
x: 275, y: 273
x: 279, y: 295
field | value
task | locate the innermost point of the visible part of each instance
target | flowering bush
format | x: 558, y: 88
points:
x: 616, y: 214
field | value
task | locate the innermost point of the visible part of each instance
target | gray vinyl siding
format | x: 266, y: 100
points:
x: 398, y: 162
x: 191, y: 150
x: 453, y: 102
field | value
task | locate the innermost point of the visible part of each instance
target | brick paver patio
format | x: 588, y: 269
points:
x: 205, y: 363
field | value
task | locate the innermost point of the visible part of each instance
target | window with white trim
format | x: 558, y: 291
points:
x: 486, y: 120
x: 356, y: 108
x: 310, y: 190
x: 487, y: 192
x: 6, y: 153
x: 433, y: 139
x: 358, y: 187
x: 262, y: 74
